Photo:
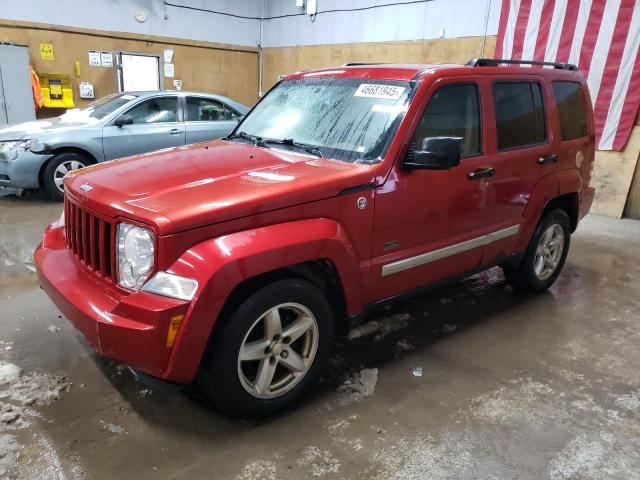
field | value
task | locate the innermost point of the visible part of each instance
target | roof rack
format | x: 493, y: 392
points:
x: 490, y: 62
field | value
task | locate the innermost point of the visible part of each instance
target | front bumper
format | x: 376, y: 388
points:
x: 23, y: 171
x: 127, y: 327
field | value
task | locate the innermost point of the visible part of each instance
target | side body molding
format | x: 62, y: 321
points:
x: 221, y: 264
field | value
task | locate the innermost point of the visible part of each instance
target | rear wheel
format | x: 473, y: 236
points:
x: 545, y: 254
x: 57, y: 168
x: 269, y: 351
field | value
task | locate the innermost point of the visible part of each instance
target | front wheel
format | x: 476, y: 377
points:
x: 57, y: 168
x: 269, y: 351
x: 545, y: 254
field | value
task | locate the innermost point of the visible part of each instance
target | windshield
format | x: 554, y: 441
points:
x: 349, y: 119
x: 105, y: 106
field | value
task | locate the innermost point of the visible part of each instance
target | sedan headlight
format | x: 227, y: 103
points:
x: 135, y: 255
x: 17, y: 146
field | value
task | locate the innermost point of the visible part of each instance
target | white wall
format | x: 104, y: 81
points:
x: 458, y: 18
x: 118, y: 16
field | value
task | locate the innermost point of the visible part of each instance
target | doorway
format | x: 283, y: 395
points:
x: 138, y: 71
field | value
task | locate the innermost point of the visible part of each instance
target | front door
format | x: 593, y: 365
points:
x: 208, y: 119
x: 156, y: 124
x: 432, y: 224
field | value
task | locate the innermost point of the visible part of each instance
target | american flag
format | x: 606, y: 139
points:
x: 601, y: 37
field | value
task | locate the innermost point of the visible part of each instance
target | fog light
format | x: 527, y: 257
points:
x: 170, y: 285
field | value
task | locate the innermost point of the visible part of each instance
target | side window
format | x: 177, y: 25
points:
x: 573, y: 116
x: 204, y: 110
x: 453, y: 111
x: 231, y: 114
x: 155, y: 110
x: 520, y: 118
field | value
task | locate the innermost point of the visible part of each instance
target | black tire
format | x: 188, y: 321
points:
x: 524, y: 276
x: 220, y: 374
x: 49, y: 173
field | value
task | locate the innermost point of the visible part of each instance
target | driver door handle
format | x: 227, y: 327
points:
x: 481, y: 173
x: 548, y: 159
x: 175, y: 131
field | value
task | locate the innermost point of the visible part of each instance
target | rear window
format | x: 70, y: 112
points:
x: 520, y: 118
x: 573, y: 116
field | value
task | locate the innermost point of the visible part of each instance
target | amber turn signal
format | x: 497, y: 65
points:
x: 174, y: 325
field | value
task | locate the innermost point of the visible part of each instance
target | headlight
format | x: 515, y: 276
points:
x: 135, y: 255
x: 170, y: 285
x: 16, y: 145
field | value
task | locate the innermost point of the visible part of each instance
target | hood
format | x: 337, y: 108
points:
x: 70, y: 120
x: 186, y: 187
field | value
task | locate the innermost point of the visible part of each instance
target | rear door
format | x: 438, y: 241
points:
x: 157, y: 123
x: 521, y: 150
x: 207, y: 119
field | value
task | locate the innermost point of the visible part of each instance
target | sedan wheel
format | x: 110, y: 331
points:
x: 278, y: 350
x: 62, y: 169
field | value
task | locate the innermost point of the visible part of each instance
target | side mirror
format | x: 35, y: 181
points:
x: 123, y: 120
x: 436, y: 153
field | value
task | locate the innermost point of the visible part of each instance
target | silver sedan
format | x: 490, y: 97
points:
x: 39, y: 154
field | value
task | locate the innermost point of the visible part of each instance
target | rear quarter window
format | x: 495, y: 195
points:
x: 520, y: 119
x: 573, y: 115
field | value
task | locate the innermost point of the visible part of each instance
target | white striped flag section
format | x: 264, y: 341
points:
x: 601, y: 37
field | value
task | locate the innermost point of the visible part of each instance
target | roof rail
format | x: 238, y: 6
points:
x: 490, y: 62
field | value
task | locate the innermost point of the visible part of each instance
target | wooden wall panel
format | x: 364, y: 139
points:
x: 207, y: 67
x: 612, y: 175
x: 632, y: 208
x: 283, y: 60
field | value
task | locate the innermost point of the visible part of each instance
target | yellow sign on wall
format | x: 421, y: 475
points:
x: 46, y: 51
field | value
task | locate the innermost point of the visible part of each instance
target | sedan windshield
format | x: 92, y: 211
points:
x: 103, y: 107
x: 348, y: 119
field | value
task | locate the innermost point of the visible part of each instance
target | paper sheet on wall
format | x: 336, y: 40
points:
x: 169, y: 70
x: 106, y: 59
x: 94, y: 58
x: 168, y: 55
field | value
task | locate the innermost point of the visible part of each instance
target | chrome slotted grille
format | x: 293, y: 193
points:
x: 91, y: 239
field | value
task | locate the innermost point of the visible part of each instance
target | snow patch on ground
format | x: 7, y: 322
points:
x: 600, y: 455
x: 382, y: 328
x: 9, y: 372
x: 259, y: 470
x: 8, y: 453
x: 36, y: 389
x: 524, y: 400
x: 110, y: 427
x: 630, y: 401
x: 320, y: 462
x: 358, y: 386
x: 401, y: 347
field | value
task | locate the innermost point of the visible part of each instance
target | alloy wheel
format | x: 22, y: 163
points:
x: 549, y: 252
x: 278, y: 350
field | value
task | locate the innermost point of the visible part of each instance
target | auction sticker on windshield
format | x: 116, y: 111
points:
x: 387, y: 92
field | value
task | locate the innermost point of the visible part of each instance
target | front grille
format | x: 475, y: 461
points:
x: 91, y: 239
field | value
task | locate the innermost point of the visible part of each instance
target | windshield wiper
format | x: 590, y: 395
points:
x: 292, y: 143
x: 257, y: 141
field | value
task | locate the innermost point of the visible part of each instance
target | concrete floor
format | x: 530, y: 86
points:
x: 513, y: 386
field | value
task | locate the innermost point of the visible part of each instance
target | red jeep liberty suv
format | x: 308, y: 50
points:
x: 236, y: 261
